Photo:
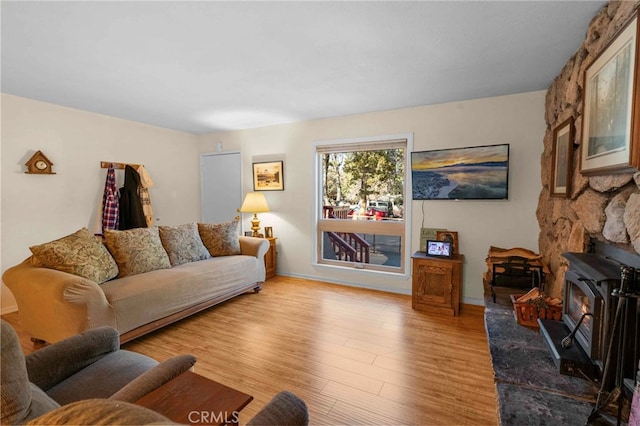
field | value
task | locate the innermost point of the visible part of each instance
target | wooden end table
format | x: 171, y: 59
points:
x: 194, y: 399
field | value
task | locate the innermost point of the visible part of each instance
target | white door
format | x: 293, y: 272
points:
x: 221, y: 186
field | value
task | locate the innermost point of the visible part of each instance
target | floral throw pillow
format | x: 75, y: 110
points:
x: 137, y: 250
x: 80, y: 253
x: 183, y: 244
x: 221, y: 239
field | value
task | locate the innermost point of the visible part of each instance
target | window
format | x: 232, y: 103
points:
x: 361, y: 212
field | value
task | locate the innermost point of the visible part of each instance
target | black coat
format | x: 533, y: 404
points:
x: 131, y: 213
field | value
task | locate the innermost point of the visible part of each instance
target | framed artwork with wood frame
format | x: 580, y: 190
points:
x: 268, y: 232
x: 268, y: 176
x: 449, y: 236
x: 562, y: 158
x: 611, y: 107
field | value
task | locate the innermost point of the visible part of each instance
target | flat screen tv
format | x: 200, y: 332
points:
x: 471, y: 173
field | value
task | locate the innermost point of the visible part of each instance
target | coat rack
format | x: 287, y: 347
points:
x: 105, y: 165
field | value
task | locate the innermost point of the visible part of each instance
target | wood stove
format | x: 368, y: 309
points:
x: 588, y: 288
x: 580, y: 342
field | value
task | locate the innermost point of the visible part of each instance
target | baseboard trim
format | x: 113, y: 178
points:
x: 465, y: 300
x: 472, y: 301
x: 348, y: 283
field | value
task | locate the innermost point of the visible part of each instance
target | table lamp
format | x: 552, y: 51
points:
x: 254, y: 202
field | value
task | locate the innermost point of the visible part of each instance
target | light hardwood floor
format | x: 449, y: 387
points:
x: 355, y: 356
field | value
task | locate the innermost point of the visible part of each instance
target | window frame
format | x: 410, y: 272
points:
x: 320, y: 225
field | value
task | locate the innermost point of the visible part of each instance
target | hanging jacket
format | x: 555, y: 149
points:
x: 110, y: 205
x: 145, y: 199
x: 131, y: 214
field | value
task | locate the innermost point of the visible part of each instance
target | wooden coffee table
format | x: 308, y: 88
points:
x: 194, y: 399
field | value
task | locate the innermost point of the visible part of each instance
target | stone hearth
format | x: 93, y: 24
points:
x: 530, y: 389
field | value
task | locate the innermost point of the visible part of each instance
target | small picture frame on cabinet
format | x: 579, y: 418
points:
x: 248, y: 233
x: 450, y: 237
x: 439, y: 248
x: 268, y: 232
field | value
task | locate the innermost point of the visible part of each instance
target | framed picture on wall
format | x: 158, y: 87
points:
x: 562, y: 158
x: 611, y: 128
x: 268, y: 176
x: 468, y: 173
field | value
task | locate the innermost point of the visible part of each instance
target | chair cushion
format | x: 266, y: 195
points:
x: 137, y: 250
x: 221, y: 239
x: 183, y: 244
x: 19, y: 399
x: 80, y: 253
x: 40, y: 403
x: 103, y: 378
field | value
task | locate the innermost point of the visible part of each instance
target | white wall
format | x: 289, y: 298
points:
x: 515, y: 119
x: 40, y: 208
x: 35, y: 208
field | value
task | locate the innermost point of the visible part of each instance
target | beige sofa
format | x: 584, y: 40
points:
x: 54, y: 304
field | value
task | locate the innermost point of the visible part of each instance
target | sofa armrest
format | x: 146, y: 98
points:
x: 154, y: 378
x: 285, y: 409
x: 253, y: 246
x: 53, y: 304
x: 52, y: 364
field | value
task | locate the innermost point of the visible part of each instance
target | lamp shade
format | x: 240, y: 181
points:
x: 254, y: 202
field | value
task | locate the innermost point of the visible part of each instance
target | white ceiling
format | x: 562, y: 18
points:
x: 210, y: 66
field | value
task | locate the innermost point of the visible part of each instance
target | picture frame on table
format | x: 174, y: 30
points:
x: 439, y: 248
x: 268, y: 232
x: 268, y: 176
x: 248, y: 233
x: 610, y: 141
x: 562, y: 159
x: 451, y: 237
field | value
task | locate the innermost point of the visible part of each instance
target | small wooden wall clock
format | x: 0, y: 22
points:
x: 39, y: 164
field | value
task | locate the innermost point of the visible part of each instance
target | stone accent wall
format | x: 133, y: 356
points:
x: 606, y: 208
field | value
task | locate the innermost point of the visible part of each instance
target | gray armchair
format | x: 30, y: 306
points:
x: 88, y: 380
x: 85, y: 366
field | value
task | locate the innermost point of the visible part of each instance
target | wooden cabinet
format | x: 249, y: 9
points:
x: 271, y: 259
x: 436, y: 283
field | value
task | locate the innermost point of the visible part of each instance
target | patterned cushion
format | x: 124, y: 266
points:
x: 137, y: 250
x: 221, y: 239
x: 183, y: 243
x: 102, y: 412
x: 80, y: 253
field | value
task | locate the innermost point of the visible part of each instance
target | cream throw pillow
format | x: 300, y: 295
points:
x: 137, y: 250
x: 80, y: 253
x: 221, y: 239
x: 183, y: 244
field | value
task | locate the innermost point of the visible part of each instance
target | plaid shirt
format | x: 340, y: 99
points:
x: 110, y: 207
